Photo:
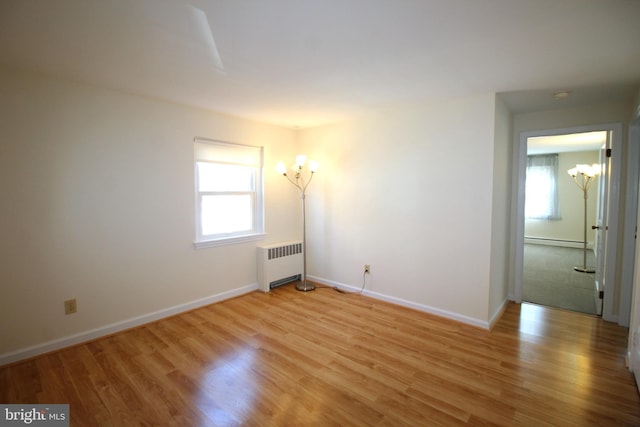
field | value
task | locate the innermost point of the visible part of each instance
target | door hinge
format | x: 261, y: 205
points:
x: 601, y: 294
x: 608, y: 152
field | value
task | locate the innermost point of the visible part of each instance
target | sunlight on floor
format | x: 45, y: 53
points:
x: 533, y: 319
x: 228, y: 390
x: 536, y: 327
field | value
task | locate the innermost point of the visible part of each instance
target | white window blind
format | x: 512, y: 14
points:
x: 541, y: 201
x: 229, y: 192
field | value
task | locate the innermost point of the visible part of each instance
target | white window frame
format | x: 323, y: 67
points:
x: 227, y: 152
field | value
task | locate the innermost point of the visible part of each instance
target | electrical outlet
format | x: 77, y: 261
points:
x: 70, y: 306
x: 367, y: 269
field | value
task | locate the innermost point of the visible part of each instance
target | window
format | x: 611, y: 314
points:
x: 228, y: 183
x: 541, y: 201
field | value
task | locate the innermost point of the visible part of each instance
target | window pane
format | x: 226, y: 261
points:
x: 541, y: 200
x: 222, y: 177
x: 538, y: 202
x: 228, y: 191
x: 226, y: 214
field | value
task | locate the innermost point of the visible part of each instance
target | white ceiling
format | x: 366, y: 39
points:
x: 306, y: 63
x: 585, y: 141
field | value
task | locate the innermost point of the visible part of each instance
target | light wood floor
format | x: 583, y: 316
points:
x: 324, y: 358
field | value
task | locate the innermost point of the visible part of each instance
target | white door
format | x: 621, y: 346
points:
x: 600, y: 222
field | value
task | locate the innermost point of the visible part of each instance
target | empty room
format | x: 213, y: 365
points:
x: 317, y: 213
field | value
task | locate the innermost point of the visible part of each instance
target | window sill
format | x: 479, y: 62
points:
x: 228, y: 241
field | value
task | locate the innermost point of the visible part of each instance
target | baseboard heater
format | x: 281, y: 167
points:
x: 279, y: 264
x: 557, y: 242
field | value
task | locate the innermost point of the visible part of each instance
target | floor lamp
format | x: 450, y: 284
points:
x: 583, y: 176
x: 302, y: 185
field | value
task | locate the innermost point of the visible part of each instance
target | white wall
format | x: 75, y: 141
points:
x: 98, y: 205
x: 571, y: 199
x: 409, y: 192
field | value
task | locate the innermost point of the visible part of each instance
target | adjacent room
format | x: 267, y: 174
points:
x: 317, y: 213
x: 559, y: 262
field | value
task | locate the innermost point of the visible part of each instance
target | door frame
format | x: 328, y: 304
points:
x: 614, y: 205
x: 633, y: 344
x: 630, y: 224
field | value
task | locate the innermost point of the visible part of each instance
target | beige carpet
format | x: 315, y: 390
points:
x: 549, y: 278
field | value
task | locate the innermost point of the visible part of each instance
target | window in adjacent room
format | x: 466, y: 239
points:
x: 229, y: 192
x: 541, y: 201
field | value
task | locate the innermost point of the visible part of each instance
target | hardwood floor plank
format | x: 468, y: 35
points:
x: 402, y: 410
x: 326, y: 358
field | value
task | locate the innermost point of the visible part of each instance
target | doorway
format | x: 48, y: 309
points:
x: 558, y: 267
x: 600, y: 248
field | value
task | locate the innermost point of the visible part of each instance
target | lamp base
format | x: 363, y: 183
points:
x: 305, y: 286
x: 585, y: 269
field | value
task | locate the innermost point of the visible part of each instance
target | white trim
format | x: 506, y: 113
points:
x: 629, y: 225
x: 520, y: 155
x: 229, y: 241
x: 498, y: 314
x: 634, y: 139
x: 410, y: 304
x: 102, y: 331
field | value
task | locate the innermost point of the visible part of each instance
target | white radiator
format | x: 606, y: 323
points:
x: 279, y: 264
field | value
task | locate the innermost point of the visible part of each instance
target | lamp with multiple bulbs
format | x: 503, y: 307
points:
x: 586, y: 173
x: 300, y: 182
x: 583, y: 176
x: 301, y: 159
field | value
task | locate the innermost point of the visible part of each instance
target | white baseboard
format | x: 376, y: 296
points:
x: 410, y: 304
x: 498, y: 314
x: 93, y: 334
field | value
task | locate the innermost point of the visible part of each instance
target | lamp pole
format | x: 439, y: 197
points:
x: 301, y: 185
x: 584, y: 268
x: 587, y: 174
x: 303, y: 285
